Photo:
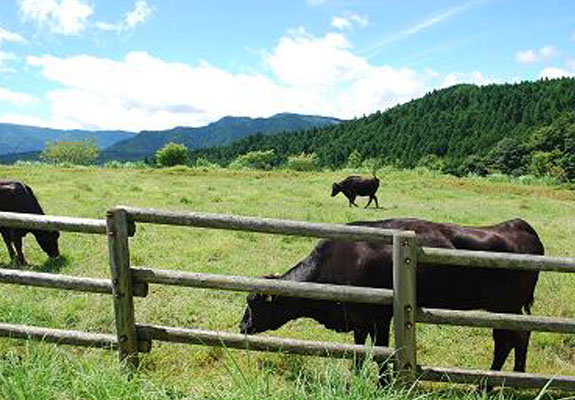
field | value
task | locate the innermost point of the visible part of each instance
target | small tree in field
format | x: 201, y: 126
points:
x: 172, y: 154
x: 79, y: 153
x: 254, y: 159
x: 302, y: 162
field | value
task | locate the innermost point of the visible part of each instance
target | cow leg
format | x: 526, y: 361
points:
x: 521, y: 345
x: 359, y: 337
x: 503, y: 343
x: 369, y: 202
x: 17, y: 240
x: 352, y: 200
x: 376, y: 203
x: 8, y: 242
x: 382, y: 339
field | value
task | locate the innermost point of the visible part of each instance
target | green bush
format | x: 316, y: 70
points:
x: 172, y: 154
x: 75, y: 153
x: 203, y: 162
x: 354, y: 160
x: 254, y: 159
x: 303, y: 162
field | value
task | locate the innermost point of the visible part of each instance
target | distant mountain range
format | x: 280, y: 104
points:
x: 20, y: 142
x: 219, y: 133
x: 21, y: 138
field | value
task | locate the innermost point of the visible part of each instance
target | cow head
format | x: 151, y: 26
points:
x: 335, y: 189
x: 48, y: 241
x: 264, y: 312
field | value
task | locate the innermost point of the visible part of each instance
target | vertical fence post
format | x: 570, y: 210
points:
x: 117, y: 230
x: 404, y: 304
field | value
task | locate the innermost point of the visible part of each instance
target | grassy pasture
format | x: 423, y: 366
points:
x: 174, y: 371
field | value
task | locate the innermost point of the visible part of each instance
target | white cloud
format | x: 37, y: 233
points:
x: 16, y: 98
x: 347, y: 21
x: 308, y: 74
x: 544, y: 54
x: 526, y: 57
x: 66, y: 17
x: 554, y: 72
x: 137, y: 16
x: 421, y: 26
x: 7, y: 36
x: 475, y: 78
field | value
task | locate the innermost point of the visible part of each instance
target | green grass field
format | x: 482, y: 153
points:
x: 42, y: 371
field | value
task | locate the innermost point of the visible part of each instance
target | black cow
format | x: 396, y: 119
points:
x: 354, y: 186
x: 18, y: 197
x: 370, y: 264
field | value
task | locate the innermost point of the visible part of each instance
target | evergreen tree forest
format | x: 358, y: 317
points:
x: 527, y: 127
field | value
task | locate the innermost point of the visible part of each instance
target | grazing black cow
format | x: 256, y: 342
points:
x: 354, y: 186
x: 18, y: 197
x: 370, y: 264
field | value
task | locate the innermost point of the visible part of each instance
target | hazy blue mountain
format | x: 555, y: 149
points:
x: 22, y: 138
x: 219, y: 133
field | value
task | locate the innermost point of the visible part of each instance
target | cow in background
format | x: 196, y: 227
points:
x: 18, y: 197
x: 354, y: 186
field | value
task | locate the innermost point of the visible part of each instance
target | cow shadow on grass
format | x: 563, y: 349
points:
x: 53, y: 265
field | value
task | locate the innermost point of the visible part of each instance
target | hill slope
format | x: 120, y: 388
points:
x: 22, y: 138
x: 219, y: 133
x: 453, y: 124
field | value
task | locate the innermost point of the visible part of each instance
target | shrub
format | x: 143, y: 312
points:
x: 203, y: 162
x: 354, y: 160
x: 254, y: 159
x: 432, y: 162
x: 75, y: 153
x: 172, y: 154
x: 303, y: 162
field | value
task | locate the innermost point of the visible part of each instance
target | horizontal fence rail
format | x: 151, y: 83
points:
x: 497, y: 378
x: 65, y: 282
x: 61, y: 336
x: 64, y: 336
x: 495, y: 320
x: 260, y: 343
x: 318, y: 291
x: 262, y: 225
x: 486, y: 259
x: 52, y: 223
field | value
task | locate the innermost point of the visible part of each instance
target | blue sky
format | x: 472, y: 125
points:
x: 155, y: 64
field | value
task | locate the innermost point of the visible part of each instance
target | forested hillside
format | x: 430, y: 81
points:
x: 464, y: 128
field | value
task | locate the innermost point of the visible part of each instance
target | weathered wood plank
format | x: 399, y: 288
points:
x: 267, y: 286
x: 117, y: 227
x: 264, y: 225
x: 260, y: 343
x: 467, y: 258
x: 60, y: 336
x: 496, y: 378
x: 404, y: 303
x: 65, y: 282
x: 52, y: 223
x: 495, y: 320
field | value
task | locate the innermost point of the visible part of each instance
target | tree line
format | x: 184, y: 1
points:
x: 523, y: 128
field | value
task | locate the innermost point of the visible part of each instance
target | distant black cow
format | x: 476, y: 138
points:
x: 354, y: 186
x: 18, y: 197
x: 450, y: 287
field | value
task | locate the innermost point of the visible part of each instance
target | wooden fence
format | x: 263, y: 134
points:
x: 132, y: 338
